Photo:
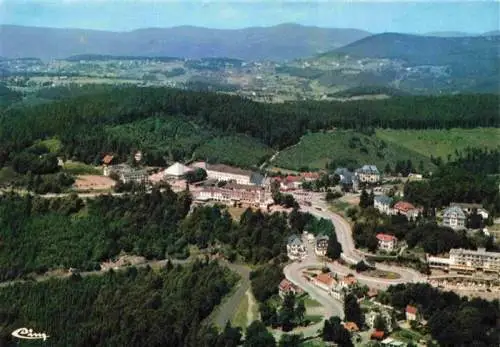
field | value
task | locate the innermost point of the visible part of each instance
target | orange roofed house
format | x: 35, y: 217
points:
x: 324, y: 281
x: 286, y: 287
x: 386, y: 242
x: 406, y: 209
x: 351, y: 326
x: 411, y: 313
x: 377, y: 335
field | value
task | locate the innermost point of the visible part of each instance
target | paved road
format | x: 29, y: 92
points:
x: 349, y: 252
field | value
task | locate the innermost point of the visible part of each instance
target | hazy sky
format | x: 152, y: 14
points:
x: 375, y: 16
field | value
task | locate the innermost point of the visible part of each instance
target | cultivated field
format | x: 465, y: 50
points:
x: 441, y: 143
x: 315, y: 150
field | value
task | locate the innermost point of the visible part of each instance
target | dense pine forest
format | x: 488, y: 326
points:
x: 83, y: 122
x: 127, y: 308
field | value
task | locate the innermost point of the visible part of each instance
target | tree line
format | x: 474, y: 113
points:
x: 80, y: 122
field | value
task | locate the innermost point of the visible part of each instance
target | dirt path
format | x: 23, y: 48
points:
x: 228, y: 308
x: 251, y: 307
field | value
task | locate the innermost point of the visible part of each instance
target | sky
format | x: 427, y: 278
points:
x: 473, y: 16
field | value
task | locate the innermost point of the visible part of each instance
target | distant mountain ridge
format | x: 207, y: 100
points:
x: 425, y: 50
x: 280, y: 42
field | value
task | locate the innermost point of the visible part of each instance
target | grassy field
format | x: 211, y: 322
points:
x: 78, y: 168
x: 240, y: 317
x: 54, y: 145
x: 234, y: 150
x: 315, y: 150
x: 441, y: 143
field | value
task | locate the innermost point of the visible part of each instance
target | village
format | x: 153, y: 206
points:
x: 467, y: 272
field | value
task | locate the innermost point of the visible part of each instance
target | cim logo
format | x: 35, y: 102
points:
x: 28, y: 334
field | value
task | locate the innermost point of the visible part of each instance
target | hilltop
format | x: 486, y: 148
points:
x: 280, y: 42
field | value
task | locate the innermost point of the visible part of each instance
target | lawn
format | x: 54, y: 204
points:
x: 407, y: 335
x: 441, y: 143
x: 78, y: 168
x: 314, y: 318
x: 238, y: 150
x: 236, y: 212
x: 54, y: 145
x: 240, y: 317
x: 315, y: 150
x: 310, y: 303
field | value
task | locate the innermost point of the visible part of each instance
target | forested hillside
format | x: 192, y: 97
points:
x: 129, y: 308
x: 90, y: 125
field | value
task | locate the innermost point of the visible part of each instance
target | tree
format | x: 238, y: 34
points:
x: 258, y: 336
x: 290, y: 340
x: 300, y: 311
x: 352, y: 311
x: 361, y: 266
x: 379, y: 323
x: 195, y: 176
x: 230, y: 336
x: 286, y: 314
x: 364, y: 199
x: 334, y: 331
x: 387, y: 169
x: 268, y: 314
x: 334, y: 249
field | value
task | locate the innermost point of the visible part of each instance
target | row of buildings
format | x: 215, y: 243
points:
x: 368, y: 174
x: 386, y: 205
x: 296, y: 249
x: 465, y: 260
x: 337, y: 288
x: 455, y: 216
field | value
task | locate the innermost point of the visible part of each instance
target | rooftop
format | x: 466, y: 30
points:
x: 228, y: 169
x: 454, y: 210
x: 383, y: 199
x: 404, y: 206
x: 411, y: 309
x: 480, y: 251
x: 294, y: 240
x: 386, y: 237
x: 368, y: 169
x: 177, y: 169
x: 325, y: 279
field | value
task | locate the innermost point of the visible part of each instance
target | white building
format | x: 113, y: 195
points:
x: 368, y: 174
x: 386, y: 316
x: 386, y: 242
x: 177, y: 170
x: 321, y: 245
x: 295, y: 248
x: 383, y: 204
x: 227, y: 173
x: 454, y: 218
x: 467, y: 260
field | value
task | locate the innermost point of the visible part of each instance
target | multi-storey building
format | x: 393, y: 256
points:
x: 321, y: 245
x: 227, y: 173
x: 295, y: 248
x: 467, y: 260
x: 454, y: 218
x: 368, y: 174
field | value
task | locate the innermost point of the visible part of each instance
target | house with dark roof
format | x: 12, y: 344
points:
x: 347, y: 178
x: 368, y: 174
x: 295, y: 248
x: 454, y: 218
x: 383, y: 203
x: 321, y: 245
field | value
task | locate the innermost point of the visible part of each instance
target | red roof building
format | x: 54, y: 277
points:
x: 377, y: 335
x: 386, y: 242
x: 411, y: 313
x: 286, y: 287
x: 107, y: 159
x: 403, y: 206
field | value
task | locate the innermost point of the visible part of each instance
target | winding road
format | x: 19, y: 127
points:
x: 333, y: 307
